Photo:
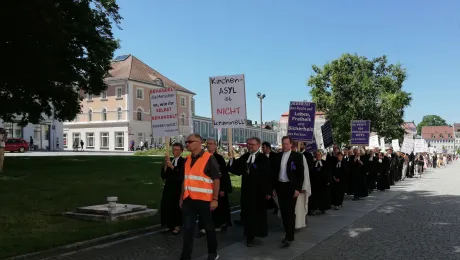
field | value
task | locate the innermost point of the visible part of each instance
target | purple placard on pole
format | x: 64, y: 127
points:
x: 311, y: 146
x: 301, y: 120
x: 360, y: 132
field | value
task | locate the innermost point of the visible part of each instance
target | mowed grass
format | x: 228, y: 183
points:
x: 35, y: 191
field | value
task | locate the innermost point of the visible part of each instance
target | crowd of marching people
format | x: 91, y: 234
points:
x: 293, y: 182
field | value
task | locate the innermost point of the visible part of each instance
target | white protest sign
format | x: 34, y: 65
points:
x: 382, y: 143
x: 395, y: 144
x: 432, y: 149
x: 374, y: 141
x: 439, y: 150
x: 228, y: 101
x: 408, y: 145
x: 163, y: 109
x: 419, y: 146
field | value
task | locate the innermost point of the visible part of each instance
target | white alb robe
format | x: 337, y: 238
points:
x: 301, y: 206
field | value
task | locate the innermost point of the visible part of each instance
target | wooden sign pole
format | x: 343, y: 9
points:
x: 167, y: 140
x: 230, y: 141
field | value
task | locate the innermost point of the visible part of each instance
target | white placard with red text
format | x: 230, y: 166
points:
x: 228, y: 101
x: 163, y: 109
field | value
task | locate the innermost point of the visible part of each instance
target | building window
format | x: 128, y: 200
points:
x: 76, y: 139
x: 104, y: 114
x: 90, y: 115
x: 140, y: 93
x: 104, y: 94
x: 182, y: 101
x: 104, y: 140
x: 119, y: 139
x: 119, y: 113
x: 64, y: 137
x: 119, y: 92
x: 89, y: 96
x: 204, y: 128
x: 139, y: 114
x: 89, y: 139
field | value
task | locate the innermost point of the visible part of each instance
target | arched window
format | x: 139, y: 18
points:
x: 119, y: 114
x: 139, y: 114
x: 104, y: 114
x: 90, y: 115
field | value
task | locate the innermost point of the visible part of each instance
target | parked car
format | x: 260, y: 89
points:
x: 16, y: 145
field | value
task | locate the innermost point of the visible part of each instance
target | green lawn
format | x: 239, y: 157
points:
x: 34, y: 191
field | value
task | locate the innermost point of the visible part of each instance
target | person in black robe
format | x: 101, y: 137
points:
x: 400, y: 161
x: 221, y: 215
x: 393, y: 165
x: 357, y: 173
x: 435, y: 160
x: 267, y: 150
x: 339, y: 173
x: 320, y: 179
x: 173, y: 174
x: 382, y: 169
x: 411, y: 165
x: 347, y: 157
x: 256, y: 189
x: 363, y: 191
x: 370, y: 165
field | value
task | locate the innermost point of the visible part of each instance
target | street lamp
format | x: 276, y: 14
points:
x: 261, y: 97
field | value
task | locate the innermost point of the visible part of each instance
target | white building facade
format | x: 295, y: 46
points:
x: 121, y: 114
x: 47, y: 135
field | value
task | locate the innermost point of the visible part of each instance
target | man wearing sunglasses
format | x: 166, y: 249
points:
x: 200, y: 194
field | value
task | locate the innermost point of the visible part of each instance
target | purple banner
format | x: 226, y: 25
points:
x: 311, y: 146
x: 301, y: 120
x: 360, y: 132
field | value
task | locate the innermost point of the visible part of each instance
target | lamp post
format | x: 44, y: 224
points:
x: 261, y: 97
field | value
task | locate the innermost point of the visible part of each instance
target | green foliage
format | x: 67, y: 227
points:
x: 430, y: 120
x: 56, y: 51
x: 356, y: 88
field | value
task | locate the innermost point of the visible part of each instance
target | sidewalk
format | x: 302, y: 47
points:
x: 232, y: 244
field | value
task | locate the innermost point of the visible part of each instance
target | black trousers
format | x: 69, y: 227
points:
x: 190, y: 211
x: 287, y: 203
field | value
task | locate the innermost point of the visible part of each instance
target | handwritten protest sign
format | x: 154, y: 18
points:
x: 163, y: 107
x: 301, y: 123
x: 228, y: 101
x: 408, y: 145
x: 419, y: 146
x: 374, y: 141
x: 360, y: 132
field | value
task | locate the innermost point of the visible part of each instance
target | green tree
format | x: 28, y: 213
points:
x: 53, y: 52
x: 430, y: 120
x: 353, y: 87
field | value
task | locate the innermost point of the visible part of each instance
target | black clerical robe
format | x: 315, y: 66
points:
x: 256, y: 184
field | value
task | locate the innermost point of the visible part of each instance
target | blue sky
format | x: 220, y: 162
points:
x: 275, y: 43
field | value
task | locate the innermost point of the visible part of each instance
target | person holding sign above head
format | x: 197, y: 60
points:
x: 256, y: 189
x: 200, y: 196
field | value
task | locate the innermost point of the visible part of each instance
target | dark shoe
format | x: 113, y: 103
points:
x: 213, y: 256
x: 285, y: 243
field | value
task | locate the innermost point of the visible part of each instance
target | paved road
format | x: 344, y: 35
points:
x: 416, y: 219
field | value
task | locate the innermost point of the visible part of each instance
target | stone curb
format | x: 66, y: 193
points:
x: 92, y: 242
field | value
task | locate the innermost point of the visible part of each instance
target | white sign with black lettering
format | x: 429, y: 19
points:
x: 228, y: 101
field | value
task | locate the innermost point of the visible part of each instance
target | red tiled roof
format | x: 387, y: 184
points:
x: 134, y: 69
x: 437, y: 132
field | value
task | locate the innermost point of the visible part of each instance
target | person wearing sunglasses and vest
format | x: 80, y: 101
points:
x: 200, y: 194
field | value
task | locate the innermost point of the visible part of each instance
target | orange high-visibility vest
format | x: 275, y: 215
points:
x: 197, y: 185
